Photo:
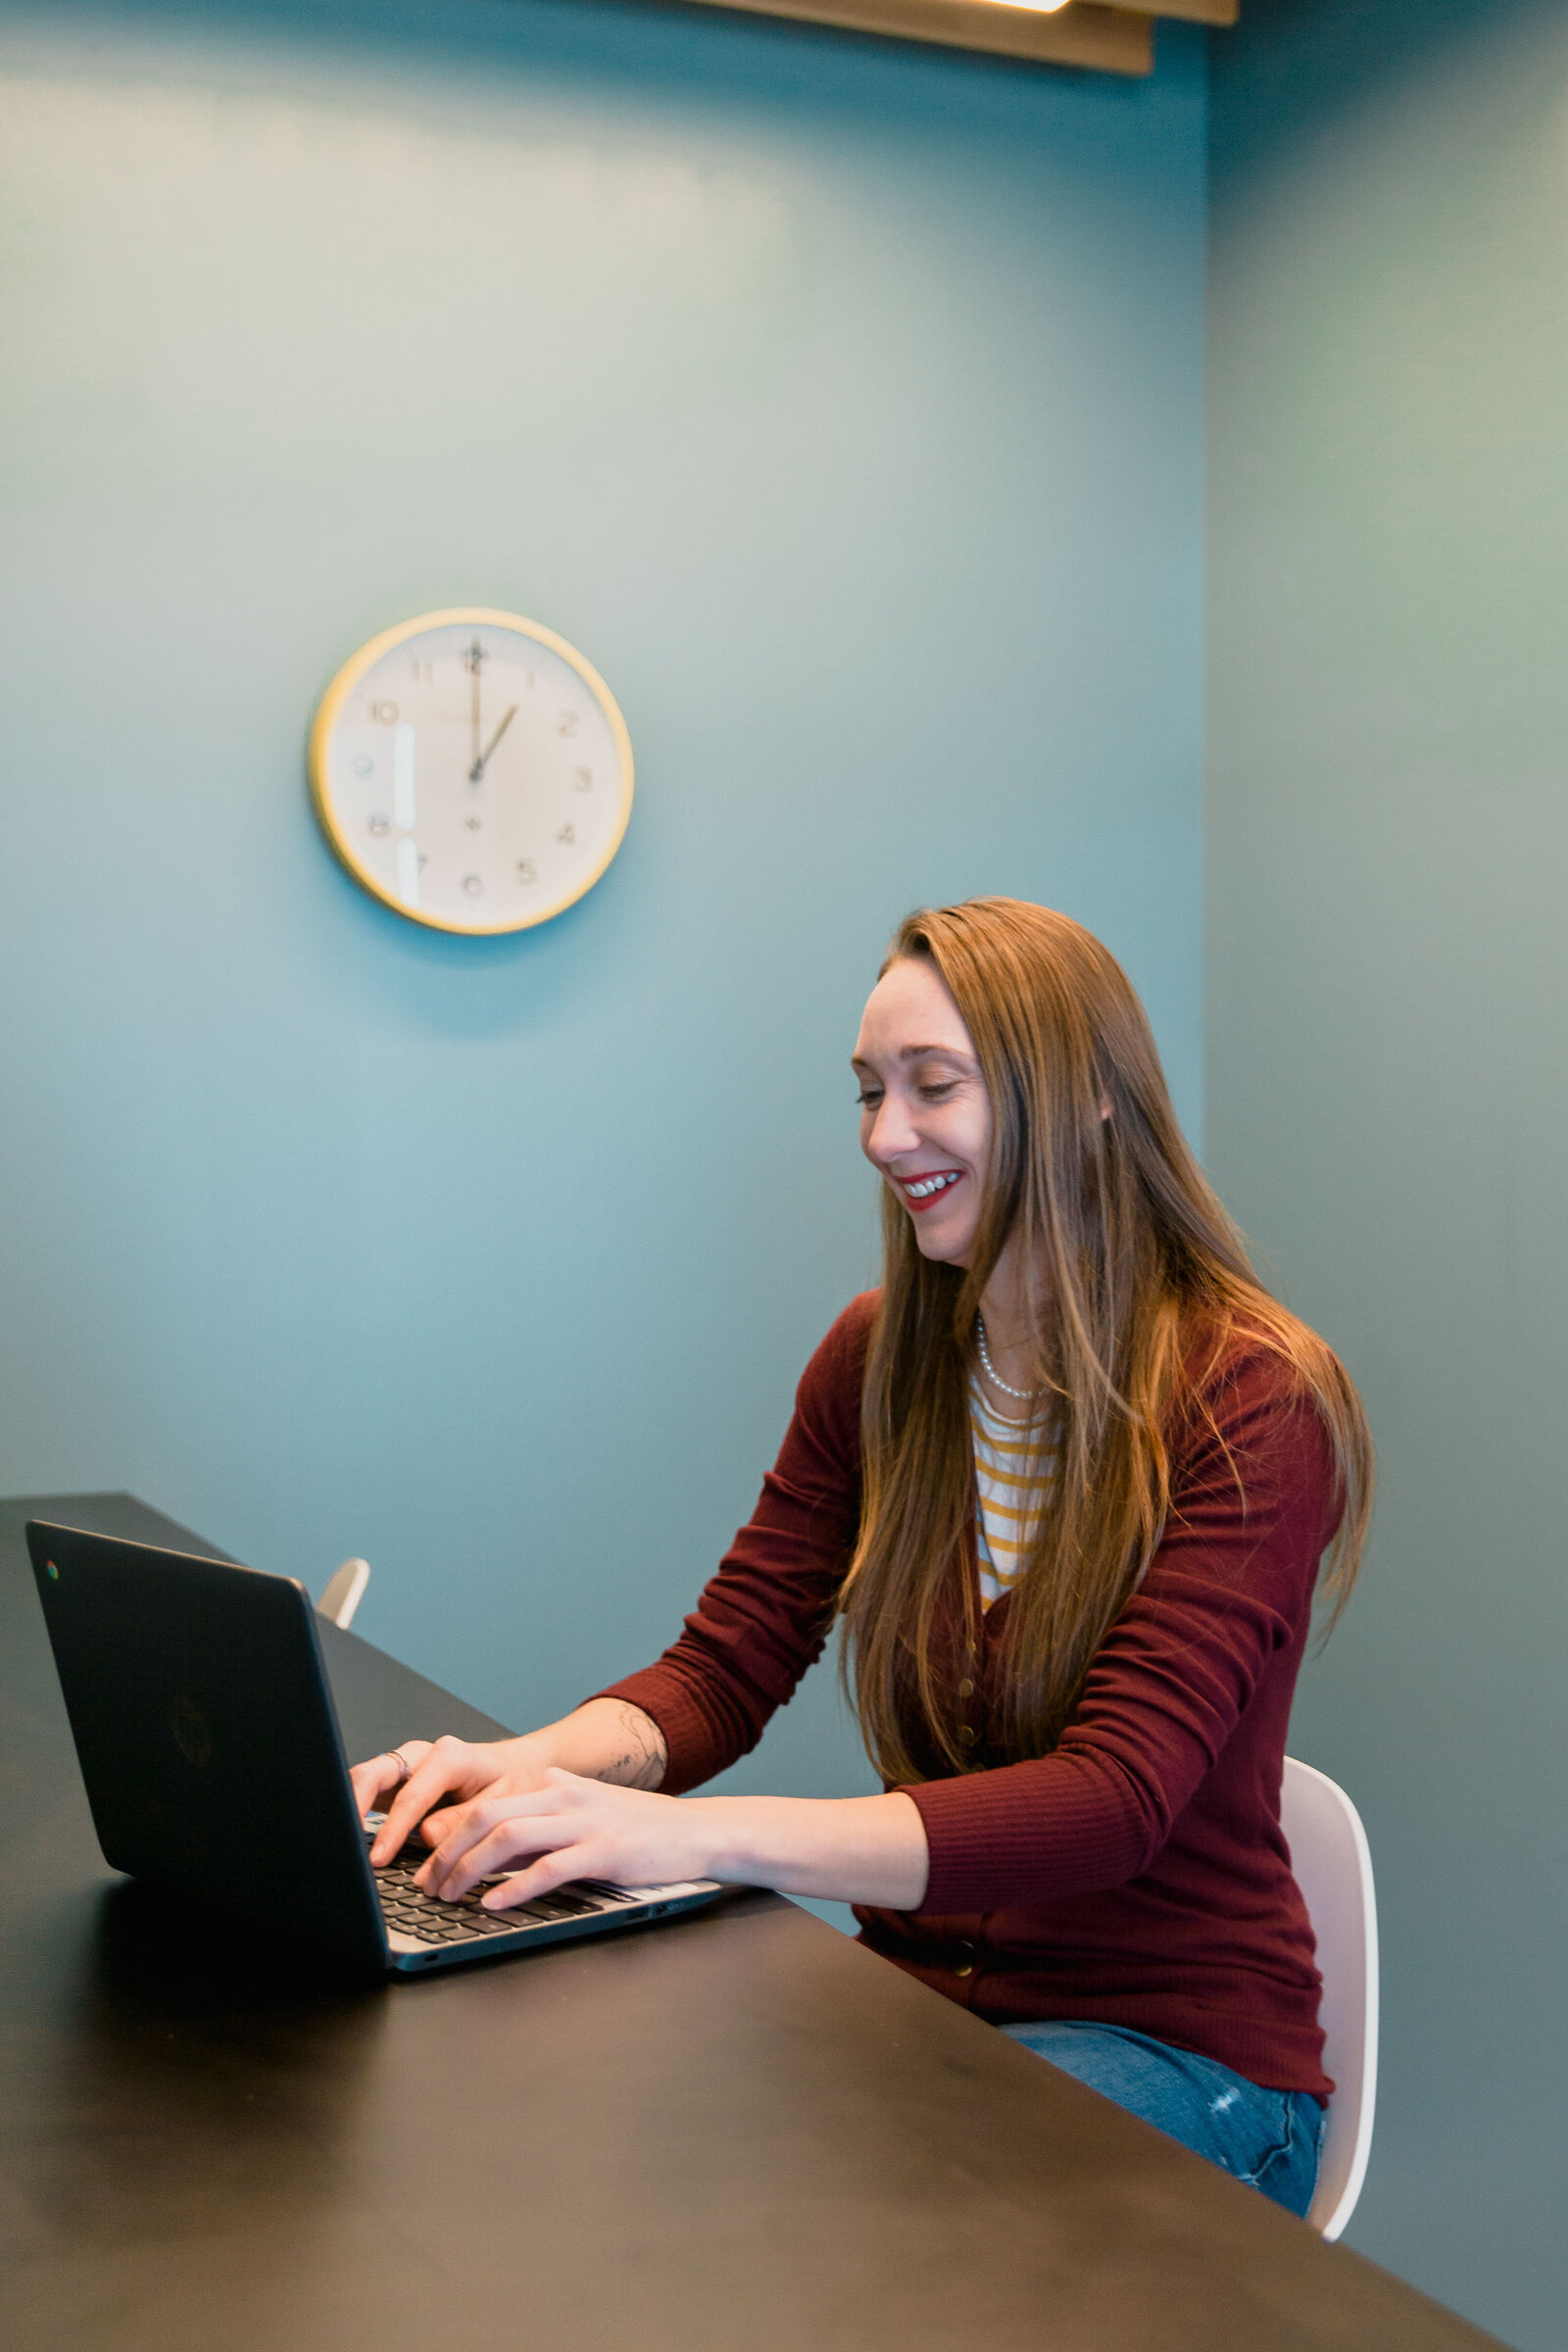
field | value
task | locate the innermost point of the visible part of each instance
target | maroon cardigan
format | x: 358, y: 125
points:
x: 1138, y: 1875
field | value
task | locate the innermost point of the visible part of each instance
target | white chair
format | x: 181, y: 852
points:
x: 1333, y: 1866
x: 345, y: 1592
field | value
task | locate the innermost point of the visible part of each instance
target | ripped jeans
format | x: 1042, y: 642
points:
x: 1269, y: 2139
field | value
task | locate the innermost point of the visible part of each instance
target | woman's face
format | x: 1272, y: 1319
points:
x: 925, y: 1122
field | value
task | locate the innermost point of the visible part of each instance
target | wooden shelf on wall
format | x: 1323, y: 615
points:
x: 1101, y: 35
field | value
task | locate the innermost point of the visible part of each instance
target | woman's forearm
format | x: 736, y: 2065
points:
x: 576, y: 1800
x: 531, y: 1839
x: 855, y: 1849
x: 607, y: 1739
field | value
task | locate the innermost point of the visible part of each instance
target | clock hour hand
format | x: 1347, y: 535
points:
x: 476, y: 771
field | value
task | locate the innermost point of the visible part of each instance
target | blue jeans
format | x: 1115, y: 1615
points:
x: 1269, y: 2139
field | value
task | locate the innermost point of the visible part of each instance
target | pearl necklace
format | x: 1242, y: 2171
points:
x: 993, y: 1375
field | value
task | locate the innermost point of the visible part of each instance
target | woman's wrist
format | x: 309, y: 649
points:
x: 607, y: 1740
x: 858, y: 1849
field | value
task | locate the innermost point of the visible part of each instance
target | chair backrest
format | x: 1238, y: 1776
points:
x: 345, y: 1592
x: 1332, y: 1867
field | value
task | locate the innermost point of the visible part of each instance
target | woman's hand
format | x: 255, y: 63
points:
x: 575, y: 1800
x: 605, y: 1739
x: 441, y: 1772
x: 866, y: 1850
x: 567, y: 1828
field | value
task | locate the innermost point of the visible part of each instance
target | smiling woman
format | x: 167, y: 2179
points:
x: 927, y: 1119
x: 1068, y: 1478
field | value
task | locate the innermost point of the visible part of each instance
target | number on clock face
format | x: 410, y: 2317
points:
x: 472, y: 770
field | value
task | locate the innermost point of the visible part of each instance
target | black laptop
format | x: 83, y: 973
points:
x: 209, y: 1744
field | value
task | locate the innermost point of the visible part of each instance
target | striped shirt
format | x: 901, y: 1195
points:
x: 1013, y: 1475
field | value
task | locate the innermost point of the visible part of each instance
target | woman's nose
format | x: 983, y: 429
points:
x: 891, y: 1134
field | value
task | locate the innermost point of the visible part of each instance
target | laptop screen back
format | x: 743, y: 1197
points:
x: 206, y: 1733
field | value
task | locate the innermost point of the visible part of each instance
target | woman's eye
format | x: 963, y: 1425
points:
x: 868, y: 1097
x: 937, y: 1089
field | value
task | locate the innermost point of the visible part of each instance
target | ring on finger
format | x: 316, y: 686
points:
x: 395, y: 1755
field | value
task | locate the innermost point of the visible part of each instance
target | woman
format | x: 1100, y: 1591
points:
x: 1067, y: 1478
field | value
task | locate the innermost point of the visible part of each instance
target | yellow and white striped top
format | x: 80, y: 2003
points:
x: 1014, y: 1478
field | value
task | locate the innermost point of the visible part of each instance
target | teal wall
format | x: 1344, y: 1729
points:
x: 1387, y: 1110
x: 842, y: 401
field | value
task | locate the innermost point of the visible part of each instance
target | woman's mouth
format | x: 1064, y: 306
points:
x: 920, y: 1191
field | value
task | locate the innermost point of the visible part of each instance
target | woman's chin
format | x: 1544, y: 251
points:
x: 943, y: 1249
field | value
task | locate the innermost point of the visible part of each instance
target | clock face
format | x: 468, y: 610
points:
x: 472, y: 770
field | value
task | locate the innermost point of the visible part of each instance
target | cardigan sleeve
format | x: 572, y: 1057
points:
x: 1253, y: 1504
x: 766, y: 1616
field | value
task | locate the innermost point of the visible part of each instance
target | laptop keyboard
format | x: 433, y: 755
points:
x: 430, y: 1920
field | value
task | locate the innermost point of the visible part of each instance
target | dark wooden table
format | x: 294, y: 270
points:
x: 737, y: 2132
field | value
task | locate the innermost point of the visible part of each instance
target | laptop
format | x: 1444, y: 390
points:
x: 210, y: 1749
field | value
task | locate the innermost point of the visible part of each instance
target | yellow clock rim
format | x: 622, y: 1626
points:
x: 330, y: 709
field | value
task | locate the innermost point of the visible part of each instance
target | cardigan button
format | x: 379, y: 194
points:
x: 967, y: 1733
x: 967, y: 1688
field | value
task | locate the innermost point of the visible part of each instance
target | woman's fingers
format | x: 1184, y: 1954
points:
x: 380, y: 1777
x: 544, y: 1853
x: 402, y: 1814
x: 485, y: 1836
x: 540, y: 1878
x: 569, y: 1829
x: 367, y: 1781
x: 446, y: 1766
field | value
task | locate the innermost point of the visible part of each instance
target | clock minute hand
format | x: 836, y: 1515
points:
x: 476, y: 771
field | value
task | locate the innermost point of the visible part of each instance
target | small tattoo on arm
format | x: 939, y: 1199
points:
x: 641, y: 1763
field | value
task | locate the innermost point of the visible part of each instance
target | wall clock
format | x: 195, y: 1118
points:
x: 472, y: 770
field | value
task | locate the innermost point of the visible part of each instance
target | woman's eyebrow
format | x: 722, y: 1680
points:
x: 861, y: 1061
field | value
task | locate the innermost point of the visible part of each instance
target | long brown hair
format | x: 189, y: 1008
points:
x: 1136, y: 1284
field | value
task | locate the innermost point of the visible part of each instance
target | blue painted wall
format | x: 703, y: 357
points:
x: 1388, y: 827
x: 842, y: 402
